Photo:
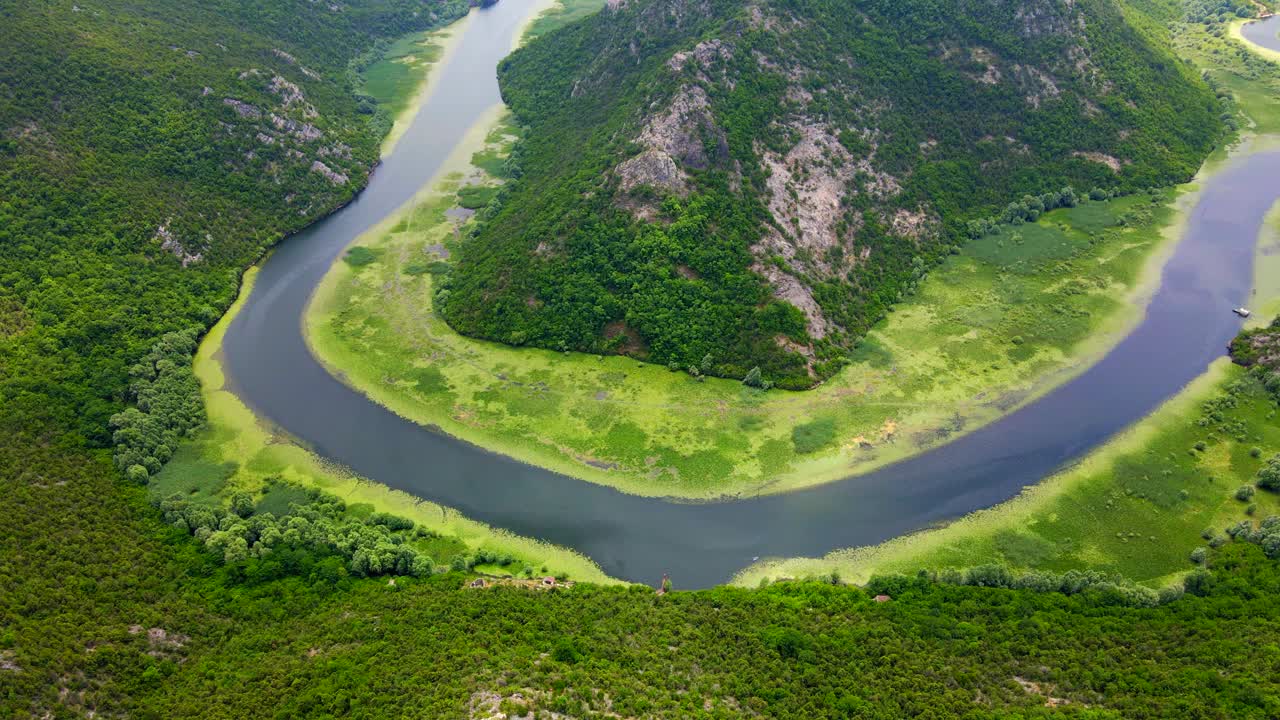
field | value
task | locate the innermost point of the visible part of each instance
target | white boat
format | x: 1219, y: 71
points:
x: 1241, y: 312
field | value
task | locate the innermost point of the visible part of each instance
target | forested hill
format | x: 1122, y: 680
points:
x: 148, y: 152
x: 719, y: 184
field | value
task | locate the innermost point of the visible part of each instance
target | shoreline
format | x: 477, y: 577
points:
x: 1236, y: 30
x: 235, y: 433
x: 830, y: 467
x: 1025, y: 510
x: 448, y: 36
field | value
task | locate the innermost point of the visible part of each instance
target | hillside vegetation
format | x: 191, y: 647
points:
x: 719, y: 186
x: 112, y: 607
x: 149, y: 151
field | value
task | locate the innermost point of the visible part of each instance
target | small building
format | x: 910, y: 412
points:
x: 478, y: 583
x: 882, y: 598
x: 548, y: 582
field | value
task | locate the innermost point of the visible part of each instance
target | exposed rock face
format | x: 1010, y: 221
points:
x: 654, y: 168
x: 674, y: 139
x: 1112, y: 162
x: 243, y: 109
x: 170, y: 243
x: 679, y: 130
x: 336, y: 178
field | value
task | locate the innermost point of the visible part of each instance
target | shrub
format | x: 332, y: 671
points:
x: 1269, y: 475
x: 814, y: 435
x: 1199, y: 555
x: 1244, y: 492
x: 359, y: 256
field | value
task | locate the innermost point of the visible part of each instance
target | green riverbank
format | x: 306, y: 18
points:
x: 235, y: 452
x: 1140, y: 504
x: 996, y: 326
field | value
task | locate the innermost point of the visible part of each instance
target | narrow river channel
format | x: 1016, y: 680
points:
x: 269, y: 366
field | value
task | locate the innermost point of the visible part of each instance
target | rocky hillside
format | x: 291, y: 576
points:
x: 720, y: 185
x: 1259, y: 349
x: 149, y: 150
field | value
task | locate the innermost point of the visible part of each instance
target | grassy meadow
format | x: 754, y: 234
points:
x: 995, y: 326
x: 562, y: 13
x: 1136, y: 507
x: 401, y: 79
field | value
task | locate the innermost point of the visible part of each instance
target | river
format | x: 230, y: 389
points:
x: 1263, y: 32
x: 270, y: 367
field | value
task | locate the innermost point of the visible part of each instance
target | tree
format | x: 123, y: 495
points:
x: 242, y: 504
x: 753, y: 378
x: 1269, y: 475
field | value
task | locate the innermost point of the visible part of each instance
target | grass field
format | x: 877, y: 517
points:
x: 1011, y: 316
x: 401, y: 79
x: 562, y: 13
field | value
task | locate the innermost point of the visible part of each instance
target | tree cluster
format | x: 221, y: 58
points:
x: 167, y: 407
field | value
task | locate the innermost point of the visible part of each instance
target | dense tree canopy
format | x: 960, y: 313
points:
x: 678, y: 151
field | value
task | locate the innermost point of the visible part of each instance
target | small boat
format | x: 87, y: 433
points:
x: 1241, y: 312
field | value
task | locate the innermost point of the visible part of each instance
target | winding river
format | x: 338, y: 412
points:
x: 268, y: 365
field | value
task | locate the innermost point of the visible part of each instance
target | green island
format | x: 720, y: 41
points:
x: 167, y: 554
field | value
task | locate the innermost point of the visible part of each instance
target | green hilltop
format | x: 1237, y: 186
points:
x: 718, y: 186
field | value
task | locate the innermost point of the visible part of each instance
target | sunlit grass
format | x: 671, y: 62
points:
x: 1136, y: 506
x: 994, y: 327
x: 563, y: 13
x: 396, y: 79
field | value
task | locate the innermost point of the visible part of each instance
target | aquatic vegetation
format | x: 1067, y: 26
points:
x: 998, y: 323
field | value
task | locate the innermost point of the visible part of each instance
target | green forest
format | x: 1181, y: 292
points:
x: 130, y: 202
x: 948, y: 118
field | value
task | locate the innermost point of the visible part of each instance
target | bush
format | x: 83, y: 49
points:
x: 814, y: 435
x: 1269, y: 475
x: 359, y: 256
x: 1199, y: 555
x: 1244, y: 493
